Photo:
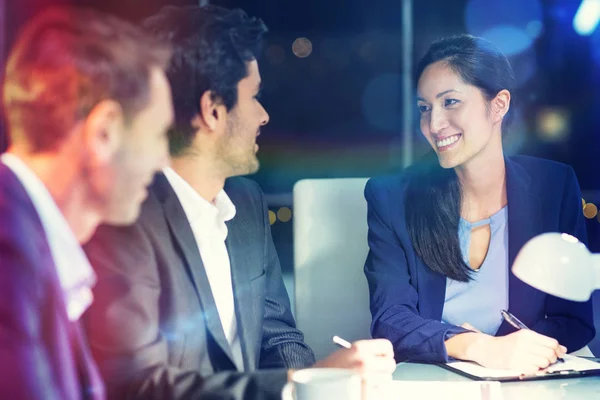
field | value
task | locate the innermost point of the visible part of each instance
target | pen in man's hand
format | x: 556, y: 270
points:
x: 341, y: 342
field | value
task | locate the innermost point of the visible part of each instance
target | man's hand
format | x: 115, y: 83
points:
x: 372, y: 359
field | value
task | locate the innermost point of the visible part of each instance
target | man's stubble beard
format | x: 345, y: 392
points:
x: 237, y: 159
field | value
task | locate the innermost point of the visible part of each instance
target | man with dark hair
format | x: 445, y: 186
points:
x: 87, y: 106
x: 190, y: 300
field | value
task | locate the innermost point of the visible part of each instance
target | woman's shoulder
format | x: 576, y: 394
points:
x: 391, y: 185
x: 543, y: 173
x: 387, y: 181
x: 531, y: 162
x: 397, y: 181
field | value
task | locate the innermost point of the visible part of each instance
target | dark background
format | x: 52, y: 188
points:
x: 337, y: 112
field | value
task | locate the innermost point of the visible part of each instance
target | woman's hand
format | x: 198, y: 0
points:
x: 525, y: 351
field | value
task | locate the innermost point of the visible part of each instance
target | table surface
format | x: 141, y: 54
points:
x: 574, y: 388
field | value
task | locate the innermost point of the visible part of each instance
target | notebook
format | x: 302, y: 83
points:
x: 572, y: 367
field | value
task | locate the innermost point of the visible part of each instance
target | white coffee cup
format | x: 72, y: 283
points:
x: 325, y: 384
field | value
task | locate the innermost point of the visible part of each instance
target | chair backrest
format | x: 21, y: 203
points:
x: 330, y: 248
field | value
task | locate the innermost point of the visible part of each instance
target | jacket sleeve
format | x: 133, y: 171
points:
x: 282, y: 344
x: 393, y: 298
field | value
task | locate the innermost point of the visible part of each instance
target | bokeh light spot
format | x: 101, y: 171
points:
x: 381, y: 102
x: 284, y: 214
x: 510, y: 24
x: 553, y: 124
x: 302, y: 47
x: 590, y: 210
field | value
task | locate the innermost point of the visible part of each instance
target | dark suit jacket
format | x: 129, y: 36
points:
x: 42, y: 354
x: 407, y: 297
x: 154, y: 327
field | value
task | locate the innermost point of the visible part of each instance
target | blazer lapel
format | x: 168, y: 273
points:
x: 524, y: 222
x: 184, y: 239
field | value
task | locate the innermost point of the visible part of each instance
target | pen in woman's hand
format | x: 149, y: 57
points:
x: 511, y: 319
x: 514, y: 321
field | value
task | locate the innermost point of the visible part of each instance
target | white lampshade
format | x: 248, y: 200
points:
x: 560, y: 265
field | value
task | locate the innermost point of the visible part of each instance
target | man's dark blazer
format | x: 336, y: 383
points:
x: 43, y: 355
x: 154, y: 328
x: 407, y: 297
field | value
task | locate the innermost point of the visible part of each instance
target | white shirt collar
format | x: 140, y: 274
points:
x: 197, y: 207
x: 75, y: 273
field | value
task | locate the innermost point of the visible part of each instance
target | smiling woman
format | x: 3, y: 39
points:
x: 464, y: 94
x: 438, y: 265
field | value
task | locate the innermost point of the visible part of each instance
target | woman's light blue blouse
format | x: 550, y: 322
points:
x: 480, y: 300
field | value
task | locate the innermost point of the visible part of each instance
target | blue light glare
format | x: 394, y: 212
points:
x: 587, y: 17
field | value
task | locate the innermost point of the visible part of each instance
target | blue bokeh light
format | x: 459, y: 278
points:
x: 381, y: 103
x: 510, y: 39
x: 512, y: 25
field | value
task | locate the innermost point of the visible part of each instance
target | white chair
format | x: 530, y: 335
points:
x: 330, y: 248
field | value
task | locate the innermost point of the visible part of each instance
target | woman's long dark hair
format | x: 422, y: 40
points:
x: 433, y: 194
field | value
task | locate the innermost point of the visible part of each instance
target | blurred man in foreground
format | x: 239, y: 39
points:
x: 87, y: 106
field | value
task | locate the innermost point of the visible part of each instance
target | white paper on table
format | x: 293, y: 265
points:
x: 571, y: 363
x: 451, y: 390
